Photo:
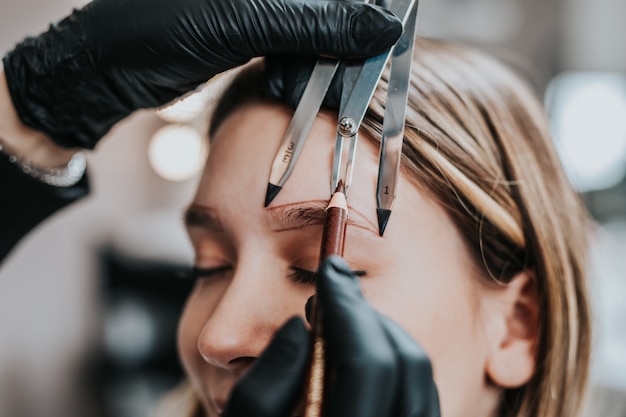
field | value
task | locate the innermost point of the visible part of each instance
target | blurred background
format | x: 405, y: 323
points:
x: 88, y: 329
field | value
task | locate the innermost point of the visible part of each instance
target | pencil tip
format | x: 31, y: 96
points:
x: 383, y: 219
x: 340, y: 187
x: 272, y: 192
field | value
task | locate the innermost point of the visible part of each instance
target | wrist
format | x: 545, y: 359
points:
x: 27, y: 143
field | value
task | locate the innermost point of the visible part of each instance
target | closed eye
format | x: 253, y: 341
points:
x: 196, y: 273
x: 302, y: 276
x: 297, y: 275
x: 306, y: 277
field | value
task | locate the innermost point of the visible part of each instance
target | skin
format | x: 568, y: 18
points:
x: 480, y: 339
x: 420, y: 274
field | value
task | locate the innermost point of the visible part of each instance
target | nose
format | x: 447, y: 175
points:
x: 252, y: 308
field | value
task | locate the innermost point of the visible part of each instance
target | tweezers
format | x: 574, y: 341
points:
x: 360, y: 79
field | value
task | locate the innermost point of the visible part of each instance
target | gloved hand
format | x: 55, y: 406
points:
x: 287, y: 77
x: 378, y: 370
x: 101, y: 63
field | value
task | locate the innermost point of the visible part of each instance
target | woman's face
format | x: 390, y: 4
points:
x: 419, y: 274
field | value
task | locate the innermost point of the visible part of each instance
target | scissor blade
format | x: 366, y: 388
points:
x: 393, y: 124
x: 298, y: 130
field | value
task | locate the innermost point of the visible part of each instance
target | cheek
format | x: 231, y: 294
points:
x: 434, y: 299
x: 434, y: 306
x: 198, y: 308
x: 427, y: 283
x: 424, y: 284
x: 189, y: 327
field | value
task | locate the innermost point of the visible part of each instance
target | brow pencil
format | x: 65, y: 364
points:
x: 333, y: 238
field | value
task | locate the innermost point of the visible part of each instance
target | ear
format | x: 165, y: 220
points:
x: 512, y: 355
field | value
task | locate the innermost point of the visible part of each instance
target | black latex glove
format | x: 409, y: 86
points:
x: 378, y: 369
x: 287, y: 76
x: 101, y: 63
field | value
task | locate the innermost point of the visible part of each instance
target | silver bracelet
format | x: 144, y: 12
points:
x: 66, y: 176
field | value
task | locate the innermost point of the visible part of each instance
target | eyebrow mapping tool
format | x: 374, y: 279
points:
x: 360, y: 79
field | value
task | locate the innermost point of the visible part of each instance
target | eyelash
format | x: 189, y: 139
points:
x: 297, y: 275
x: 303, y: 276
x: 204, y: 273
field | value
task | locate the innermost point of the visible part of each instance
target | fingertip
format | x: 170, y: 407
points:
x: 294, y: 328
x: 337, y: 264
x: 375, y: 29
x: 335, y: 269
x: 338, y: 29
x: 336, y: 280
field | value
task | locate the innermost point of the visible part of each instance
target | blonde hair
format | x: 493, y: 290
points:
x: 478, y: 142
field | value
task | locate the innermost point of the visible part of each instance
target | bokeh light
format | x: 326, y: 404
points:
x: 177, y: 153
x: 589, y: 121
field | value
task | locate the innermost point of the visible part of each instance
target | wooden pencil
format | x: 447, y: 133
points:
x: 333, y: 238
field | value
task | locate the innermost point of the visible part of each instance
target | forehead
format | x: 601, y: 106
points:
x: 420, y: 235
x: 242, y: 151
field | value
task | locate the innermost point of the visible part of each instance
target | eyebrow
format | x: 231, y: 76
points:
x: 311, y: 213
x: 280, y: 218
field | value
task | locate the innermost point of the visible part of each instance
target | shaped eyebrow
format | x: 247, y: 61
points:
x: 311, y: 213
x: 280, y: 218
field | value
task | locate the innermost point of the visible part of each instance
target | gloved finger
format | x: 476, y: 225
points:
x: 417, y: 394
x: 274, y: 384
x: 308, y: 309
x: 330, y: 28
x: 360, y: 357
x: 286, y: 77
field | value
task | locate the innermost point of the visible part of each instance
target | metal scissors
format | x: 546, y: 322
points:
x: 360, y: 79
